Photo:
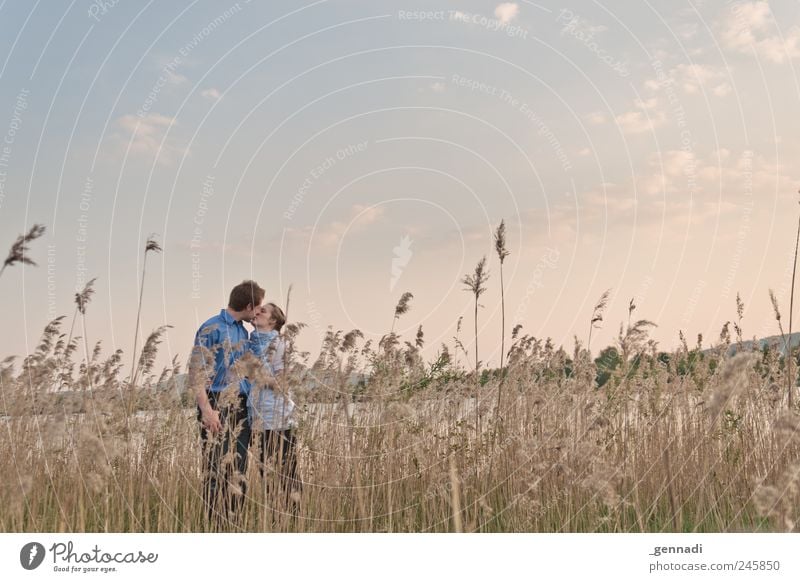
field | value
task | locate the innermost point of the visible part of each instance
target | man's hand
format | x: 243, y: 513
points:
x: 210, y: 420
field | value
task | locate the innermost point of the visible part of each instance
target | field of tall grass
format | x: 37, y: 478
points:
x: 636, y: 440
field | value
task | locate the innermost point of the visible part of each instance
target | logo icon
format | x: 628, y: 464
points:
x: 402, y: 255
x: 31, y: 555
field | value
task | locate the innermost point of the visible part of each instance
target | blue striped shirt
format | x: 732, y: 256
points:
x: 226, y: 338
x: 267, y: 409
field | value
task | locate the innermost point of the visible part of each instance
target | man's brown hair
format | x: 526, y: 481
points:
x: 278, y: 315
x: 244, y: 294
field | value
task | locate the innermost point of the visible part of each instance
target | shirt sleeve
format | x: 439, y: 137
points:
x: 205, y: 340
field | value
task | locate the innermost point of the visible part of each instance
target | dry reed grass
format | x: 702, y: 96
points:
x: 688, y: 441
x: 694, y: 440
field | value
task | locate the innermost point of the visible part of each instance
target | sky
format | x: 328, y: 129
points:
x: 357, y: 150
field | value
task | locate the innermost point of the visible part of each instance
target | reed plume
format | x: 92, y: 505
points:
x: 597, y: 315
x: 82, y: 299
x: 402, y: 307
x: 19, y: 250
x: 502, y: 253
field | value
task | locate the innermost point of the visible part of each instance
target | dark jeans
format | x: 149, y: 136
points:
x: 280, y: 446
x: 223, y: 464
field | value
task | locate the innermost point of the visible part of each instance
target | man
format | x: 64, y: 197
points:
x: 222, y: 399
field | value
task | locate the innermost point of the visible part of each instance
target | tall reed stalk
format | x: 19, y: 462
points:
x: 789, y: 356
x: 502, y: 253
x: 476, y: 284
x: 82, y: 299
x: 150, y: 246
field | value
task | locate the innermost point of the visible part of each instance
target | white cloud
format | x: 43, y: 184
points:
x: 675, y: 189
x: 694, y: 78
x: 721, y: 175
x: 652, y: 85
x: 750, y: 26
x: 639, y: 122
x: 144, y: 136
x: 175, y: 78
x: 167, y: 70
x: 211, y: 94
x: 646, y: 104
x: 688, y: 30
x: 506, y: 12
x: 597, y: 118
x: 722, y: 90
x: 328, y: 236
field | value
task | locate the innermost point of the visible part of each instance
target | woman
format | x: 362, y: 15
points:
x: 271, y: 410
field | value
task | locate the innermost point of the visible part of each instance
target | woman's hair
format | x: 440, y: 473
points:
x: 278, y: 315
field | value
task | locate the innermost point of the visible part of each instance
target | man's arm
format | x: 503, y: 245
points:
x: 198, y: 379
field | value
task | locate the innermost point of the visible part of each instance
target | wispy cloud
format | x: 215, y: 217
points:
x: 506, y: 12
x: 750, y: 27
x: 642, y: 120
x: 719, y: 175
x: 328, y: 236
x: 145, y: 136
x: 692, y: 78
x: 597, y: 118
x: 211, y: 94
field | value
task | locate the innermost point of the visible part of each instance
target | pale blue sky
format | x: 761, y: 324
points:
x: 644, y: 147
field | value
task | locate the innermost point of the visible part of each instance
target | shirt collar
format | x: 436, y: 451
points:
x: 227, y: 318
